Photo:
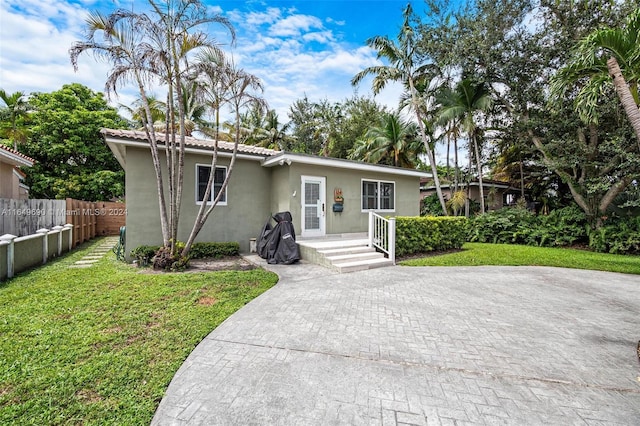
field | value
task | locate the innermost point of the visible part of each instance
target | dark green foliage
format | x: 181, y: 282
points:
x: 429, y: 233
x: 430, y: 206
x: 145, y: 254
x: 215, y: 250
x: 72, y: 158
x: 620, y: 236
x: 562, y: 227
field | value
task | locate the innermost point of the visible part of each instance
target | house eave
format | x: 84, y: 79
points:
x: 118, y: 147
x: 14, y: 159
x: 290, y: 158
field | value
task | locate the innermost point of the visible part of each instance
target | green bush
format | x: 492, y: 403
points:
x: 429, y: 233
x: 562, y: 227
x: 217, y: 250
x: 144, y: 254
x: 617, y: 235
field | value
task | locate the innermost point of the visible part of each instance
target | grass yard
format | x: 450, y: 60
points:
x: 476, y: 254
x: 100, y: 345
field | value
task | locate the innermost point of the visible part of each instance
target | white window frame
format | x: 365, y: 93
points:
x: 379, y: 183
x: 211, y: 196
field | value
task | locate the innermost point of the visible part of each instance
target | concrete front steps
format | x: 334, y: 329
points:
x: 346, y: 254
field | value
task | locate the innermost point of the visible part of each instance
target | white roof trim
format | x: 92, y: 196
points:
x: 118, y: 144
x: 288, y: 158
x: 15, y: 159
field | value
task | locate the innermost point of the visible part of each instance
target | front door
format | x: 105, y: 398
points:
x: 313, y: 206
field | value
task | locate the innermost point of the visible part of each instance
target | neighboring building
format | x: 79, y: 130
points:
x: 496, y: 194
x: 11, y: 177
x: 263, y: 182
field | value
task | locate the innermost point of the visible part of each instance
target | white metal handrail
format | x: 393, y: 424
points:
x: 382, y: 234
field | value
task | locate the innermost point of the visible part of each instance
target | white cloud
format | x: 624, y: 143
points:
x: 294, y: 54
x: 294, y: 25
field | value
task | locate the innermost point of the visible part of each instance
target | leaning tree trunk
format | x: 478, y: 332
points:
x: 629, y: 104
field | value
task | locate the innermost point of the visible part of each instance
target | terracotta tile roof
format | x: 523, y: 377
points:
x: 19, y: 154
x: 138, y: 135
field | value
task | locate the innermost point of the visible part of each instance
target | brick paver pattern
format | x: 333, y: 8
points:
x: 421, y: 346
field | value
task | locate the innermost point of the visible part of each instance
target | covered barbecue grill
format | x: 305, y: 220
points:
x: 277, y: 244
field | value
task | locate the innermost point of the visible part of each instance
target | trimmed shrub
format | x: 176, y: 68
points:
x: 429, y: 233
x: 217, y: 250
x: 145, y: 254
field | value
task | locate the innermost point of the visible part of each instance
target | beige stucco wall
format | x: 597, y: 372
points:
x: 6, y: 180
x: 248, y: 197
x: 288, y: 179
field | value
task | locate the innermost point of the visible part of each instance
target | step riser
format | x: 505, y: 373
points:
x: 344, y: 256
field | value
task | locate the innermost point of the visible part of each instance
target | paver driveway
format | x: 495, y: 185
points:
x: 401, y: 345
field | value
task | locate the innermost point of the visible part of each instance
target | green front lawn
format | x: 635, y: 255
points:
x: 475, y: 254
x: 100, y: 345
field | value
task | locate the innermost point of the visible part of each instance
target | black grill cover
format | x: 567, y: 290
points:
x: 277, y: 244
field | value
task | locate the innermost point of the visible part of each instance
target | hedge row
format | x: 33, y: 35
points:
x: 429, y: 233
x: 560, y: 228
x: 144, y: 254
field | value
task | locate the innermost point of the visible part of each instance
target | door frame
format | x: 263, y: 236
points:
x: 323, y: 208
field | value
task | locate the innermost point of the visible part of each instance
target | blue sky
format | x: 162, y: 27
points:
x: 296, y: 48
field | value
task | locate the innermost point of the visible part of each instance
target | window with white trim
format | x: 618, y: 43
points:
x: 202, y: 178
x: 378, y: 195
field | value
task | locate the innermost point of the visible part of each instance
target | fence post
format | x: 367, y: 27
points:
x: 10, y: 253
x: 392, y: 239
x: 45, y: 244
x: 69, y: 227
x: 58, y: 229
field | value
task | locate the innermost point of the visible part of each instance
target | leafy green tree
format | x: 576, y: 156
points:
x: 496, y: 43
x: 603, y: 57
x: 17, y: 108
x: 359, y: 114
x: 404, y: 66
x: 72, y: 159
x: 393, y: 142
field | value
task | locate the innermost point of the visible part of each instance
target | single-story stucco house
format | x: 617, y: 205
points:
x: 263, y: 182
x: 11, y: 177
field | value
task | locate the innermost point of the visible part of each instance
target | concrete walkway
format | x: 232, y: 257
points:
x: 420, y: 346
x: 98, y: 252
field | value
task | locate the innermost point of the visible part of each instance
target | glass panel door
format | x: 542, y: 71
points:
x: 313, y: 206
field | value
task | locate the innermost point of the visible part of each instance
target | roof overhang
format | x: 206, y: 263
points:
x: 14, y: 158
x: 290, y: 158
x: 119, y: 147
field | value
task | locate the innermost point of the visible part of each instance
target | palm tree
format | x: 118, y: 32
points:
x: 605, y: 56
x: 464, y: 103
x: 238, y: 89
x: 137, y: 112
x: 18, y: 107
x: 149, y: 49
x: 393, y: 142
x: 403, y: 68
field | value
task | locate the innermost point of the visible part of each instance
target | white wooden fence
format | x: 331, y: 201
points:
x: 25, y: 217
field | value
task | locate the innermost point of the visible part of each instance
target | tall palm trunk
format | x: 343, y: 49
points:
x: 479, y: 167
x: 629, y: 104
x: 423, y: 134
